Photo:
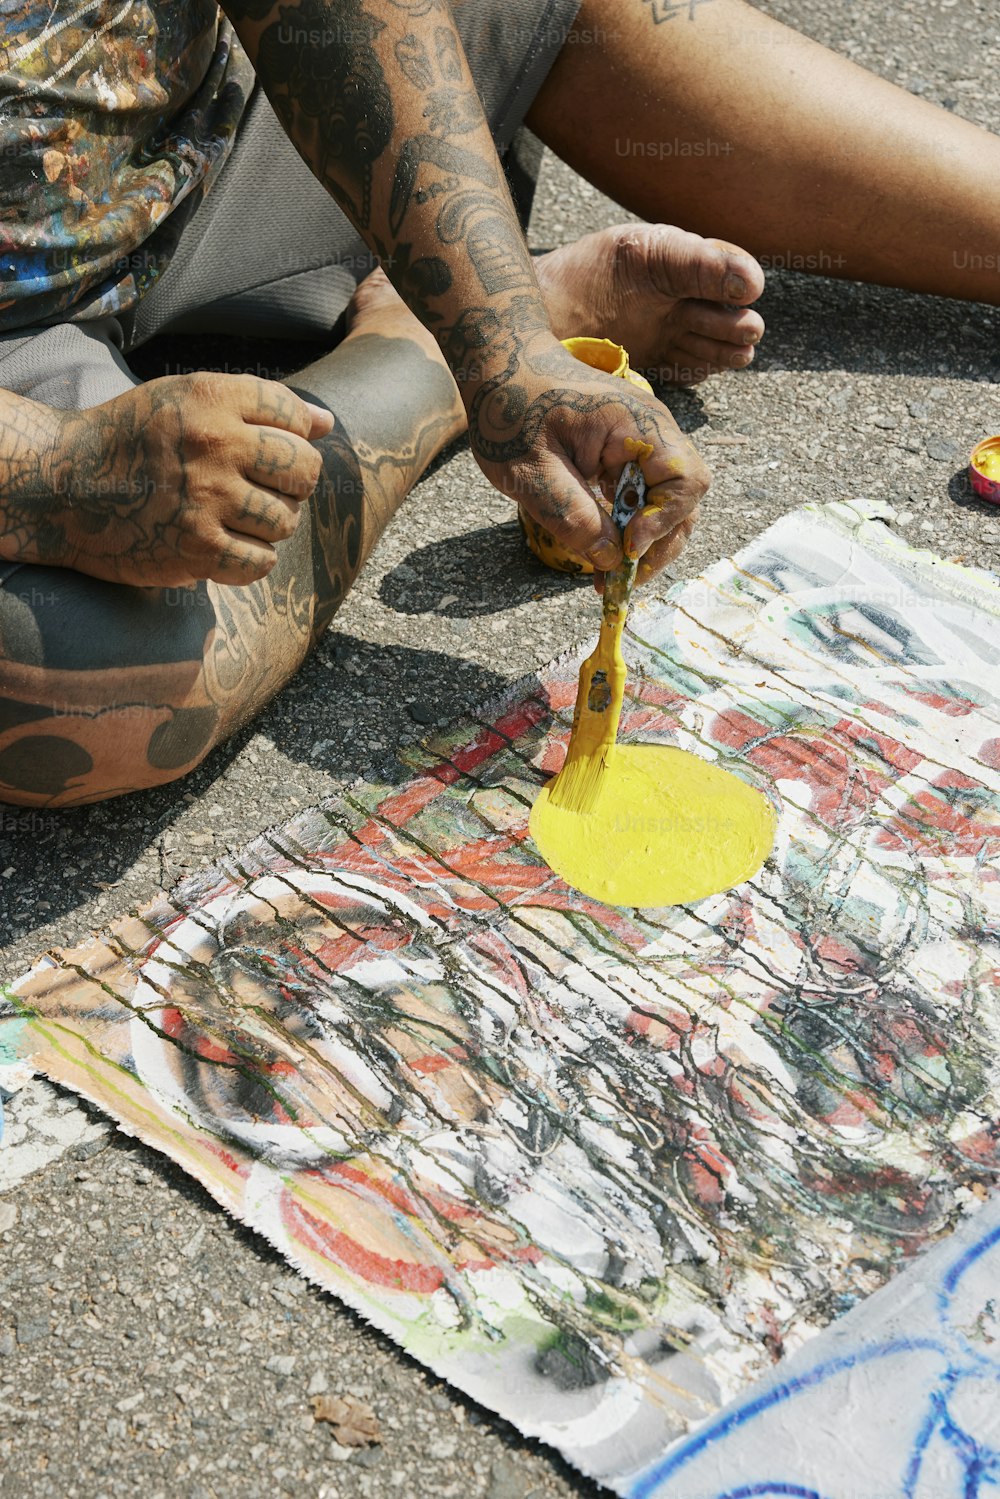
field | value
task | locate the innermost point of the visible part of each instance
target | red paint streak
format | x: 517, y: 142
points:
x: 377, y: 1269
x: 179, y: 1028
x: 990, y: 754
x: 954, y: 707
x: 438, y: 1061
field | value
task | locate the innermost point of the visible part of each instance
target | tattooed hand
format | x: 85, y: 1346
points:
x: 184, y: 478
x: 546, y: 428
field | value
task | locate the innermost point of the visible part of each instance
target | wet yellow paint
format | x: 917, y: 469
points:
x: 989, y: 464
x: 595, y: 723
x: 642, y: 824
x: 665, y: 828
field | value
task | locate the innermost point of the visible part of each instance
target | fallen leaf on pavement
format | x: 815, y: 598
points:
x: 354, y: 1424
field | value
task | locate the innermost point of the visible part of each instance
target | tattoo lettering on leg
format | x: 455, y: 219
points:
x: 669, y: 10
x: 261, y: 632
x: 338, y: 518
x: 375, y: 453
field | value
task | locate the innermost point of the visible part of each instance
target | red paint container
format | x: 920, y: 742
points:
x: 984, y: 470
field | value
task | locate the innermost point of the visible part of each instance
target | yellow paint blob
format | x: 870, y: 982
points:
x: 989, y: 463
x: 666, y: 828
x: 642, y: 824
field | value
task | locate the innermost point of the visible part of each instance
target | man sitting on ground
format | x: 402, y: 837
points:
x: 167, y: 167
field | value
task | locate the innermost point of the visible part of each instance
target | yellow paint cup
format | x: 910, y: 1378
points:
x: 984, y: 470
x: 599, y: 354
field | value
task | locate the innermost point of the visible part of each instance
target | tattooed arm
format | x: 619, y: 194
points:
x: 378, y: 98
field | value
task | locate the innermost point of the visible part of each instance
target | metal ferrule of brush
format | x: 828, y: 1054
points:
x: 630, y: 498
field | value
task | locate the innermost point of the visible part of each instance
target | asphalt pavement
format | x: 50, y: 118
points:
x: 148, y: 1344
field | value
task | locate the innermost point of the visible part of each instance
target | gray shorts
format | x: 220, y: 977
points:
x: 269, y: 253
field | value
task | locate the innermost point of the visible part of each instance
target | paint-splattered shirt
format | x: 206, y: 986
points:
x: 115, y: 117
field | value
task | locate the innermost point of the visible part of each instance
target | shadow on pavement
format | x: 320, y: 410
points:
x: 464, y: 577
x: 347, y: 709
x: 355, y: 700
x: 960, y: 490
x: 814, y: 323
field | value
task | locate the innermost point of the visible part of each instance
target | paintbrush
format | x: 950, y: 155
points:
x: 577, y: 787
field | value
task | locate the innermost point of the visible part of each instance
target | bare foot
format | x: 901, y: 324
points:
x: 678, y: 303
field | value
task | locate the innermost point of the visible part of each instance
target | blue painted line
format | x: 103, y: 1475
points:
x: 950, y: 1282
x: 647, y: 1485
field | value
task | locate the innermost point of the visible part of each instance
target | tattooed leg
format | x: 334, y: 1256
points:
x: 106, y: 689
x: 761, y: 135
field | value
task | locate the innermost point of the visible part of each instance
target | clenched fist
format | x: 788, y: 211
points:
x: 184, y: 478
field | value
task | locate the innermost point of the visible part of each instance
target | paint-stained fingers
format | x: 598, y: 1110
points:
x: 660, y: 521
x: 670, y: 502
x: 561, y: 500
x: 667, y: 549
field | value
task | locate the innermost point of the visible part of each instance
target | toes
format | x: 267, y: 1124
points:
x: 739, y: 278
x: 677, y: 263
x: 720, y: 324
x: 696, y: 358
x: 681, y: 264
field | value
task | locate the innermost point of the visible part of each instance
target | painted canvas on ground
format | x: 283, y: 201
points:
x: 601, y: 1168
x: 899, y: 1399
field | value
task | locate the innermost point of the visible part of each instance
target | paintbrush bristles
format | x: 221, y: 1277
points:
x: 577, y: 787
x: 595, y: 725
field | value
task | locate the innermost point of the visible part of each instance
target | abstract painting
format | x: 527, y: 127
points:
x: 611, y: 1172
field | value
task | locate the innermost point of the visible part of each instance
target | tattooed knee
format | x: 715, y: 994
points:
x: 56, y: 753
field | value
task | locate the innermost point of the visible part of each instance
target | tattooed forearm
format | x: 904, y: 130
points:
x: 450, y: 168
x: 385, y: 112
x: 399, y: 138
x: 323, y: 74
